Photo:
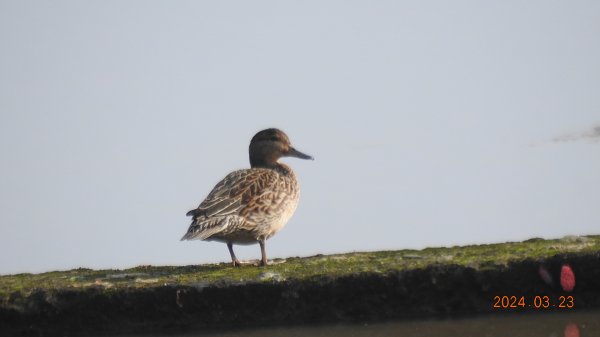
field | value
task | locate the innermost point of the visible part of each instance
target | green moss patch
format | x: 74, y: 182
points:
x: 296, y: 268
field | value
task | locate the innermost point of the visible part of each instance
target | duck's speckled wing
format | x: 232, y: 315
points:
x: 222, y: 210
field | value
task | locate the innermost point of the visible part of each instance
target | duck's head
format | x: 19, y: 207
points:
x: 267, y: 146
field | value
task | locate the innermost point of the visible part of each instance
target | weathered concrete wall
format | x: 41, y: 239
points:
x: 432, y: 282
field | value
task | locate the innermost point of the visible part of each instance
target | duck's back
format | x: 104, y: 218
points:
x: 245, y: 206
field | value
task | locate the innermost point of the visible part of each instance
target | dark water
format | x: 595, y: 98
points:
x: 578, y: 324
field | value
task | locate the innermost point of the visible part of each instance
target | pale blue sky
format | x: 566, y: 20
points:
x: 432, y: 123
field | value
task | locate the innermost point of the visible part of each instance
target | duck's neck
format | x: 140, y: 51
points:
x: 272, y: 165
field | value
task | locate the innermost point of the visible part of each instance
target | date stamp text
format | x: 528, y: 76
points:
x: 533, y: 302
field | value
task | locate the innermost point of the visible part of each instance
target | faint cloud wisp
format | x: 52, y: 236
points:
x: 592, y: 135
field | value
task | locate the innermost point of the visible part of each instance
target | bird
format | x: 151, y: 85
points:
x: 249, y: 206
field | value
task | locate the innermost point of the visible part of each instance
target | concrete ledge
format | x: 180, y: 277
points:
x: 370, y: 286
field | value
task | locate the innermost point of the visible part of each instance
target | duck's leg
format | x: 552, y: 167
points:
x: 263, y: 252
x: 234, y: 260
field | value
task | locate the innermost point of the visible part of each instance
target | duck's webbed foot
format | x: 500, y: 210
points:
x: 234, y: 260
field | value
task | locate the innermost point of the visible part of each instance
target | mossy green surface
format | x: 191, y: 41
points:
x: 475, y: 256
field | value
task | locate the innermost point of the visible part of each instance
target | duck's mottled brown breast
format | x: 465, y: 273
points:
x: 246, y: 206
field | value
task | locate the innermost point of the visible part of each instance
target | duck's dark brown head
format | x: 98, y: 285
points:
x: 267, y: 146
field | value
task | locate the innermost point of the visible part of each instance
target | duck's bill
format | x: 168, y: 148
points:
x: 295, y: 153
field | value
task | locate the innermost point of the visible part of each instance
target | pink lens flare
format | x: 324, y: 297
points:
x: 567, y: 278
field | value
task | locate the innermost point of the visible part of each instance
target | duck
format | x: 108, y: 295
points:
x: 249, y: 206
